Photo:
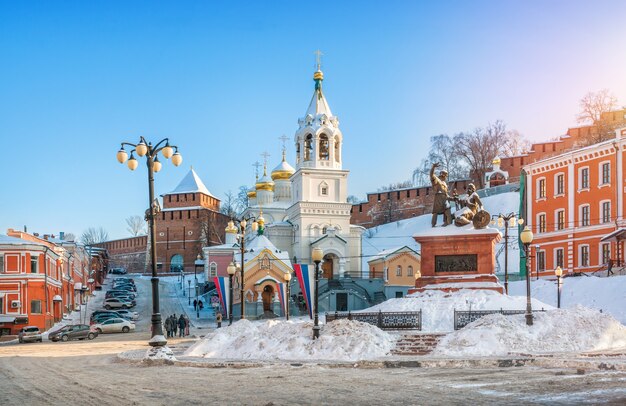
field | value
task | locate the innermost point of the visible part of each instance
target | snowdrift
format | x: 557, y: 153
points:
x: 577, y: 330
x: 342, y: 340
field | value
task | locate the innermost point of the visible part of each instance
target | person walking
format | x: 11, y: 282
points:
x: 218, y: 318
x: 174, y: 325
x: 168, y: 326
x: 181, y: 326
x: 200, y: 305
x: 195, y: 304
x: 187, y: 322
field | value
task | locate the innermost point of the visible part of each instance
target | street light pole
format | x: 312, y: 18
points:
x: 231, y: 269
x: 242, y: 248
x: 287, y: 277
x: 189, y: 292
x: 505, y: 221
x: 527, y: 237
x: 145, y: 148
x: 559, y: 273
x: 317, y: 256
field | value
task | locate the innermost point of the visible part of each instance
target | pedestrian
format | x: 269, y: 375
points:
x: 195, y: 304
x: 187, y: 325
x: 168, y: 326
x: 218, y: 318
x: 174, y: 325
x: 181, y: 326
x: 200, y: 305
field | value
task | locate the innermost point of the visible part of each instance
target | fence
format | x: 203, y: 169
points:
x: 462, y: 317
x: 383, y: 320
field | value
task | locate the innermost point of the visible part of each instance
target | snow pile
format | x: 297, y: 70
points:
x: 558, y: 330
x: 341, y: 340
x: 438, y: 307
x: 606, y: 294
x: 163, y: 353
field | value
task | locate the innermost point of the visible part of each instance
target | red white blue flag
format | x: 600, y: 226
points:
x: 282, y: 295
x: 222, y: 284
x: 306, y: 278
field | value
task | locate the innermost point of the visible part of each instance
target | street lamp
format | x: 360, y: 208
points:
x: 241, y: 236
x: 418, y: 274
x: 317, y: 254
x: 507, y: 221
x: 526, y: 237
x: 145, y: 148
x: 189, y: 289
x: 287, y: 277
x: 231, y: 269
x: 195, y: 277
x: 559, y: 274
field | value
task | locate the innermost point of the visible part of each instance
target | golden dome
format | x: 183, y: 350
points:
x: 265, y: 183
x: 318, y: 75
x: 283, y: 171
x: 231, y: 229
x: 496, y: 161
x: 252, y: 194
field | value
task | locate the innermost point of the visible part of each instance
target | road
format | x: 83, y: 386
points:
x: 87, y: 372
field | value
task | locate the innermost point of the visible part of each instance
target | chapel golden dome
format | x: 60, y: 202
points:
x: 283, y: 171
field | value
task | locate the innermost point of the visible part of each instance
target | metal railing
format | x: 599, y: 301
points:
x: 464, y: 317
x: 383, y: 320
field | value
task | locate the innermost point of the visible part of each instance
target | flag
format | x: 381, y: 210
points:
x: 282, y: 295
x: 306, y: 279
x: 222, y: 284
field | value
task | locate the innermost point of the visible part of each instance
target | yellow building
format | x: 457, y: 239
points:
x: 397, y: 266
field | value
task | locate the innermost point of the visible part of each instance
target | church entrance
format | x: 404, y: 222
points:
x: 328, y: 266
x: 268, y: 298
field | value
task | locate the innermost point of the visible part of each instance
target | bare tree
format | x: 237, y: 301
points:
x: 208, y: 229
x: 593, y: 109
x: 136, y: 225
x: 515, y: 144
x: 352, y: 199
x: 242, y: 199
x: 479, y: 147
x: 94, y: 236
x: 229, y: 205
x: 69, y: 237
x: 421, y: 174
x: 441, y: 151
x: 398, y: 185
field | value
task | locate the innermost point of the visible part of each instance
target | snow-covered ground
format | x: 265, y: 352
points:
x: 438, y: 307
x: 399, y: 233
x: 606, y: 294
x: 342, y: 340
x: 573, y: 330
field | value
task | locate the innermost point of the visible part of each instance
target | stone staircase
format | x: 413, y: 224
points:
x: 416, y: 343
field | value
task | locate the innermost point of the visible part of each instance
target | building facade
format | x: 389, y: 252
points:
x: 397, y: 267
x: 572, y: 201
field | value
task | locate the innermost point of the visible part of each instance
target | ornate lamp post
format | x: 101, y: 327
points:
x: 507, y: 221
x: 195, y: 277
x: 287, y: 277
x: 241, y: 236
x: 145, y: 148
x: 189, y: 291
x: 559, y: 274
x: 231, y: 269
x: 317, y: 254
x: 526, y: 237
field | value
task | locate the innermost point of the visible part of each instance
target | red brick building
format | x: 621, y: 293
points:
x: 189, y: 220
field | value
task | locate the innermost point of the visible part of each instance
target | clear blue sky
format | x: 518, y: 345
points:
x: 225, y: 79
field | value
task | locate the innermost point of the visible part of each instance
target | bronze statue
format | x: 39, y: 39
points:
x: 471, y: 211
x: 441, y: 203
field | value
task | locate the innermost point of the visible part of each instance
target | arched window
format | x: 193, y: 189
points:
x: 213, y: 269
x: 324, y: 152
x: 177, y: 263
x: 337, y: 150
x: 399, y: 270
x: 409, y: 270
x: 308, y: 146
x: 298, y: 153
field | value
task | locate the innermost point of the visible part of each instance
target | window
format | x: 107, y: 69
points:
x: 584, y: 216
x: 584, y: 255
x: 584, y: 178
x: 213, y: 269
x: 560, y: 219
x: 2, y: 305
x: 560, y: 184
x: 606, y: 174
x: 542, y: 223
x: 558, y: 256
x: 606, y: 253
x: 1, y: 263
x: 409, y: 270
x: 541, y: 188
x: 606, y: 212
x: 399, y: 270
x: 35, y: 306
x: 398, y: 295
x: 324, y: 152
x: 33, y: 264
x: 541, y: 261
x: 308, y: 146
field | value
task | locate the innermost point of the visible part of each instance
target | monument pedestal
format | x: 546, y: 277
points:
x: 454, y: 258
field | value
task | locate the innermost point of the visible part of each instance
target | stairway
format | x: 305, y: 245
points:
x: 416, y: 344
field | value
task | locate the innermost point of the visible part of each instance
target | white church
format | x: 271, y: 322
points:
x: 307, y: 207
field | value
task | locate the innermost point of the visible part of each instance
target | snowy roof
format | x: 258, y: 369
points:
x: 453, y: 230
x: 5, y: 239
x: 391, y: 251
x: 191, y: 183
x: 261, y: 242
x: 318, y: 105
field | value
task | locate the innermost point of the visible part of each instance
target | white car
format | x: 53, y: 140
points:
x: 114, y: 326
x: 129, y: 313
x: 116, y: 303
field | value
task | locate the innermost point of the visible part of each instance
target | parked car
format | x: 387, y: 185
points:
x: 29, y: 333
x: 75, y: 332
x: 118, y: 271
x: 118, y: 293
x: 117, y: 303
x: 124, y: 286
x: 105, y: 316
x: 128, y: 313
x: 117, y: 325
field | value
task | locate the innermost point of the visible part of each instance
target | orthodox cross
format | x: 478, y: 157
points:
x: 284, y: 139
x: 265, y: 155
x: 256, y: 165
x: 318, y: 59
